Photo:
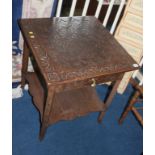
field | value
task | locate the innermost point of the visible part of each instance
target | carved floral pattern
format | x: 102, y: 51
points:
x: 72, y: 48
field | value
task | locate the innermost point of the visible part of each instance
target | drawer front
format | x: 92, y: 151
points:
x: 88, y: 82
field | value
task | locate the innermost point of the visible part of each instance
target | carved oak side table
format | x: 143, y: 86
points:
x: 70, y: 56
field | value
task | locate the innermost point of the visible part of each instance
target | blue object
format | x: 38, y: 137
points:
x: 55, y: 3
x: 82, y: 136
x: 17, y: 14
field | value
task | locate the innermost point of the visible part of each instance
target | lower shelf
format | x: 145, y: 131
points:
x: 66, y: 105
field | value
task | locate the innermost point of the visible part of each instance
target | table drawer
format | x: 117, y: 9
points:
x: 88, y: 82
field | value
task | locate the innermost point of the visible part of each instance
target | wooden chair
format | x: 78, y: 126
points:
x: 137, y: 97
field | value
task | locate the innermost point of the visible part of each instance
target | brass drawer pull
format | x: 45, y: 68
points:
x: 94, y: 83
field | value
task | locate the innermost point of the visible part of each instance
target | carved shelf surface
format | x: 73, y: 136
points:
x: 67, y: 105
x: 75, y: 103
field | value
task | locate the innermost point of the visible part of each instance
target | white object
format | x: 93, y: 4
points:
x: 98, y: 8
x: 117, y: 16
x: 137, y: 74
x: 85, y: 8
x: 108, y: 13
x: 72, y: 8
x: 135, y: 65
x: 59, y: 8
x: 18, y: 92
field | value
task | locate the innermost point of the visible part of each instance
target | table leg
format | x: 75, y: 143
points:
x: 24, y: 64
x: 48, y: 107
x: 109, y: 100
x: 129, y: 107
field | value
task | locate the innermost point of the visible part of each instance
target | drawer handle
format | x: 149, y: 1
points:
x: 94, y: 83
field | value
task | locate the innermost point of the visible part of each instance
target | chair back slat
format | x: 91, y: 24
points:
x: 117, y: 16
x: 98, y: 10
x: 72, y: 8
x: 59, y: 7
x: 86, y: 5
x: 108, y: 13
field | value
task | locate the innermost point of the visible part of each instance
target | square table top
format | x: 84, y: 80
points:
x: 74, y: 48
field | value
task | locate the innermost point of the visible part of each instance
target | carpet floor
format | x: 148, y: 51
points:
x: 82, y: 136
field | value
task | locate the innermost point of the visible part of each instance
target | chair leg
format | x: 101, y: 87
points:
x: 138, y: 116
x: 129, y: 107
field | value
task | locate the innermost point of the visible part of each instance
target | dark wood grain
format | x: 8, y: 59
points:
x: 74, y: 48
x: 25, y: 64
x: 67, y: 104
x: 36, y: 91
x: 70, y: 56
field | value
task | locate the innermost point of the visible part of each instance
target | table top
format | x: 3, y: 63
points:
x: 74, y: 48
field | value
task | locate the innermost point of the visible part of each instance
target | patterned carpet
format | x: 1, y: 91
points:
x: 82, y: 136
